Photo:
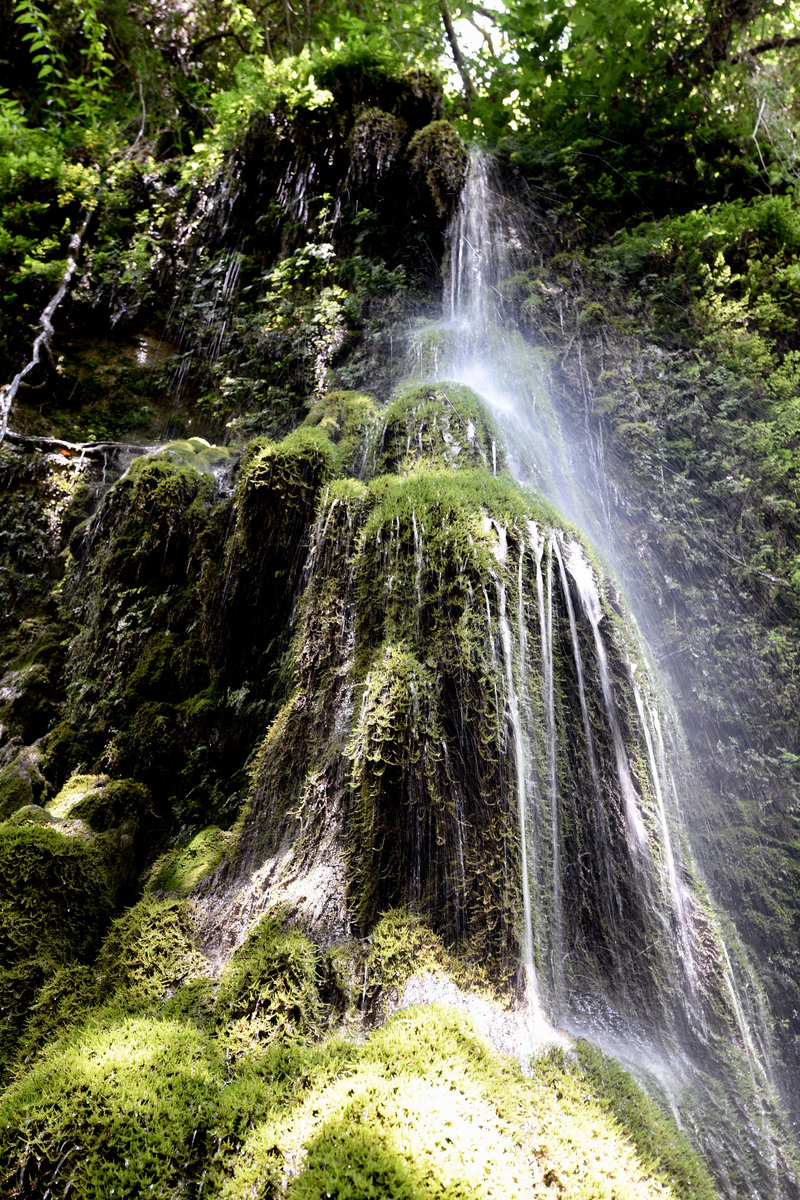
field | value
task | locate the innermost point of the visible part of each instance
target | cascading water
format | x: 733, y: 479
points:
x: 625, y: 949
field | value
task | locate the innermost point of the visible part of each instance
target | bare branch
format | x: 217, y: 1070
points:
x: 41, y: 344
x: 487, y: 37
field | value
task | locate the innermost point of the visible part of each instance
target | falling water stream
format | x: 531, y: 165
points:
x: 663, y: 1029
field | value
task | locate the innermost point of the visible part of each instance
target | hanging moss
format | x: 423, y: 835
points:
x: 437, y: 153
x: 400, y: 817
x: 347, y: 418
x: 445, y: 425
x: 376, y: 140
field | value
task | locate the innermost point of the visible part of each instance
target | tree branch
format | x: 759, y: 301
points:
x: 41, y: 344
x: 776, y: 43
x: 458, y: 57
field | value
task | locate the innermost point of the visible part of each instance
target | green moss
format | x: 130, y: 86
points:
x: 18, y: 987
x: 31, y: 814
x: 124, y: 1106
x: 375, y: 141
x: 21, y: 782
x: 426, y: 1109
x: 402, y: 945
x: 182, y: 869
x: 347, y: 418
x: 64, y: 1001
x: 291, y: 470
x: 196, y: 452
x: 73, y: 793
x: 396, y: 777
x: 149, y: 950
x: 657, y: 1139
x: 54, y: 894
x: 270, y: 988
x: 446, y: 425
x: 437, y: 153
x: 120, y: 801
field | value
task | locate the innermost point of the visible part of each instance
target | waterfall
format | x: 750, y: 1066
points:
x: 658, y: 987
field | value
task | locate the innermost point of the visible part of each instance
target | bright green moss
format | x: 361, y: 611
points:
x: 270, y: 988
x: 444, y: 424
x: 182, y: 869
x: 149, y: 950
x: 74, y: 791
x: 402, y: 945
x: 101, y: 802
x: 347, y: 418
x: 31, y: 814
x: 293, y: 468
x: 426, y: 1109
x: 64, y: 1000
x: 123, y: 1107
x: 657, y: 1139
x: 198, y: 453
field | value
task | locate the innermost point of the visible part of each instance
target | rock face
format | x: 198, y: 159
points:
x: 288, y: 721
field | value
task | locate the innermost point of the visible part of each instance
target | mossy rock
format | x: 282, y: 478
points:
x: 200, y: 454
x: 445, y: 424
x: 62, y: 751
x: 64, y: 999
x: 27, y: 703
x: 425, y: 1109
x: 21, y: 781
x: 123, y: 1106
x: 55, y: 895
x: 181, y: 870
x: 347, y: 418
x: 18, y: 987
x: 158, y: 502
x: 101, y: 802
x: 439, y: 155
x: 375, y: 142
x: 31, y: 814
x: 270, y: 988
x: 279, y: 483
x: 149, y: 950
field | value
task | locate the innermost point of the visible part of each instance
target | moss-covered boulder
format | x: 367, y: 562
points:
x: 438, y: 154
x: 124, y: 1106
x: 149, y: 950
x: 270, y: 990
x: 21, y: 780
x: 446, y: 425
x: 183, y: 868
x: 55, y: 894
x: 347, y: 418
